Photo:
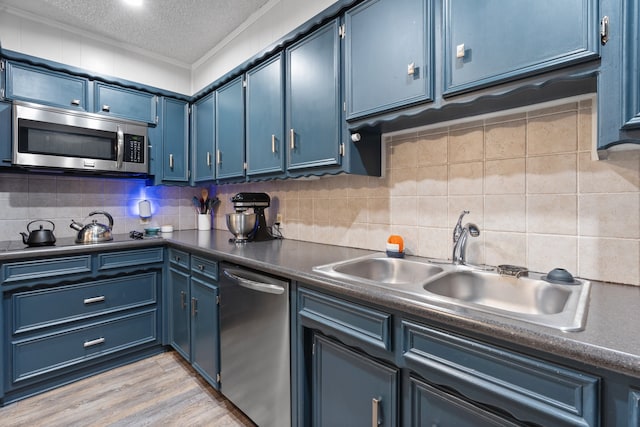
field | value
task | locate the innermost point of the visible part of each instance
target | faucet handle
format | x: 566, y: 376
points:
x: 457, y: 230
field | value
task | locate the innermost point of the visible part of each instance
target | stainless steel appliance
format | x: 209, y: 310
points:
x: 258, y: 202
x: 47, y: 137
x: 94, y: 232
x: 255, y: 344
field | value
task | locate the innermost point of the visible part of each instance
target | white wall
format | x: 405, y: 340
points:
x: 25, y: 34
x: 276, y: 19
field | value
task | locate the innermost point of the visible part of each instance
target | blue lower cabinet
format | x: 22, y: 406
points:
x: 351, y: 389
x: 40, y: 355
x: 194, y: 328
x: 205, y: 348
x: 633, y: 408
x: 431, y: 406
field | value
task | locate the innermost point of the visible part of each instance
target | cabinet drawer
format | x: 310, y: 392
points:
x: 110, y: 260
x: 362, y: 323
x: 205, y: 267
x: 45, y: 268
x: 179, y: 258
x: 43, y: 308
x: 34, y: 357
x: 530, y: 389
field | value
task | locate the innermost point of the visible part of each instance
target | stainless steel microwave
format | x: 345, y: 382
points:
x: 54, y: 138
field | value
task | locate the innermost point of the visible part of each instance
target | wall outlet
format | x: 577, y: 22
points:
x: 279, y: 218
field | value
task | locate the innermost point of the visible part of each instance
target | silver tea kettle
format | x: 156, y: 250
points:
x: 93, y: 232
x: 40, y: 237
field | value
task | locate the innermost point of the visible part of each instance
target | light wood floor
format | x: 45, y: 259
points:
x: 159, y: 391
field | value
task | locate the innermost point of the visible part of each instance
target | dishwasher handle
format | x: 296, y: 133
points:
x: 236, y: 276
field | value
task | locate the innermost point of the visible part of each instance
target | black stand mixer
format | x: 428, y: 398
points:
x: 258, y: 202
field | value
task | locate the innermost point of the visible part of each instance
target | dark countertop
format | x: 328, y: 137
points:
x: 606, y: 342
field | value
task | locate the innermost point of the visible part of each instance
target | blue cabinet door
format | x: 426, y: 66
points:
x: 230, y: 130
x: 265, y: 118
x: 179, y: 312
x: 202, y: 138
x: 175, y: 140
x: 125, y: 103
x: 205, y: 330
x: 619, y: 75
x: 350, y: 389
x: 5, y: 134
x: 491, y: 41
x: 313, y: 100
x: 46, y: 87
x: 388, y: 45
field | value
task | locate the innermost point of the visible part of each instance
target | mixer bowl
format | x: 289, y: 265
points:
x: 241, y: 224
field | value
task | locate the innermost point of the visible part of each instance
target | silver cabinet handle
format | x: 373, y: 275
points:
x: 120, y: 148
x: 106, y: 108
x: 218, y: 156
x: 208, y: 158
x: 94, y: 300
x: 91, y: 343
x: 183, y: 299
x: 194, y: 307
x: 75, y: 102
x: 411, y: 69
x: 273, y: 144
x: 252, y: 284
x: 200, y: 267
x: 604, y: 30
x: 375, y: 411
x: 170, y: 161
x: 292, y: 136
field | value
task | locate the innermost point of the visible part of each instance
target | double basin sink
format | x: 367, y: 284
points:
x: 465, y: 289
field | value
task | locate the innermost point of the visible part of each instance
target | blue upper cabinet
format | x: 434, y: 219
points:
x: 313, y: 113
x: 619, y: 74
x: 175, y: 140
x: 5, y: 134
x: 46, y: 87
x: 388, y: 55
x: 202, y: 138
x: 265, y: 118
x: 491, y: 41
x: 125, y: 103
x: 229, y: 130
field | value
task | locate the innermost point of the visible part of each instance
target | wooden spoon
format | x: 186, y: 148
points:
x: 203, y: 201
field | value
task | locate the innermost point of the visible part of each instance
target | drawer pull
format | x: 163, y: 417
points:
x: 91, y: 343
x: 94, y: 300
x: 375, y: 411
x: 194, y: 306
x: 183, y: 300
x: 75, y: 102
x: 201, y: 267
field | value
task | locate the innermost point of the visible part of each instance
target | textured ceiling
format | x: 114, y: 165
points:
x: 182, y: 30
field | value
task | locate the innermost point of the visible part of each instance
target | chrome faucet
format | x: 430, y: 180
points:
x: 460, y: 235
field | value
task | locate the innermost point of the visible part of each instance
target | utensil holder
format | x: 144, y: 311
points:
x: 204, y: 222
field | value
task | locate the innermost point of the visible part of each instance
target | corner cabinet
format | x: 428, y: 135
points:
x: 203, y: 138
x: 193, y: 319
x: 313, y: 113
x: 493, y: 41
x: 265, y: 118
x: 229, y: 131
x: 388, y: 55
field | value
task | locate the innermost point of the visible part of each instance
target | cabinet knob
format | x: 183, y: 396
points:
x: 460, y: 51
x: 170, y: 161
x: 75, y: 102
x: 106, y: 108
x: 411, y: 69
x: 356, y: 137
x: 201, y: 267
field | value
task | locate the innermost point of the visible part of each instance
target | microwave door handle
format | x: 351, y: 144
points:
x: 120, y: 148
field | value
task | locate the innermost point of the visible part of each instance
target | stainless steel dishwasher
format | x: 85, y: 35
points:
x: 255, y: 344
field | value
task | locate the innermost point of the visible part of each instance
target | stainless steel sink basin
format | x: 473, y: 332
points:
x: 464, y: 289
x: 392, y: 271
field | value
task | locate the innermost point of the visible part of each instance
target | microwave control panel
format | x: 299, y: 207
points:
x: 134, y: 148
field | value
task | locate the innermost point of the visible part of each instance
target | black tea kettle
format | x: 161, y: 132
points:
x: 40, y: 237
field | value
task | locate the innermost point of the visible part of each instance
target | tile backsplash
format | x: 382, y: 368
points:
x: 527, y: 177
